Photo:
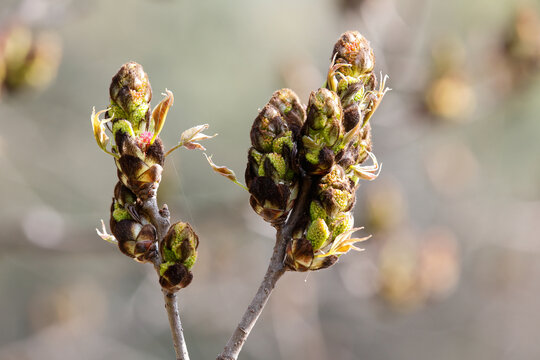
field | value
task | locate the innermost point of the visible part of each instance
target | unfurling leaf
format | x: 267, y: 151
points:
x: 194, y: 146
x: 99, y: 130
x: 370, y: 172
x: 159, y: 114
x: 225, y: 171
x: 343, y: 243
x: 379, y: 94
x: 189, y: 138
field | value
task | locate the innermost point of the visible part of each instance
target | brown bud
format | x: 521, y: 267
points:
x: 267, y: 126
x: 290, y: 107
x: 139, y: 167
x: 175, y: 276
x: 136, y: 237
x: 130, y: 87
x: 135, y: 240
x: 130, y: 94
x: 300, y: 257
x: 272, y: 171
x: 354, y: 49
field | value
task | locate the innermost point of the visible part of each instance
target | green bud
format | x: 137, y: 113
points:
x: 277, y: 165
x: 317, y: 233
x: 322, y: 132
x: 180, y: 245
x: 335, y: 192
x: 316, y: 211
x: 284, y: 140
x: 336, y: 140
x: 343, y: 222
x: 330, y: 218
x: 119, y: 213
x: 179, y: 253
x: 130, y: 93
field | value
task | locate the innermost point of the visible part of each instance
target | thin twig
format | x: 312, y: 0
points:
x: 275, y: 270
x: 254, y: 310
x: 171, y: 305
x: 158, y: 218
x: 161, y: 221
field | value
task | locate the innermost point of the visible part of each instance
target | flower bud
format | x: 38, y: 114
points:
x: 292, y: 110
x: 300, y: 257
x: 179, y: 252
x: 130, y: 93
x: 174, y: 276
x: 140, y: 153
x: 335, y: 192
x: 353, y: 50
x: 351, y: 76
x: 272, y: 172
x: 137, y: 148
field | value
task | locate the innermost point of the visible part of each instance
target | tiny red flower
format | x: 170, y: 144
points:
x: 144, y: 139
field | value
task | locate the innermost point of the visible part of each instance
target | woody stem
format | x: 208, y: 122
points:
x: 161, y: 221
x: 275, y: 270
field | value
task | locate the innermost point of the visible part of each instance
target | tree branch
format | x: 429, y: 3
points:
x: 161, y: 221
x: 171, y: 305
x: 275, y: 270
x: 158, y: 218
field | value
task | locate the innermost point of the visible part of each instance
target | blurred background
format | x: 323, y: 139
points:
x: 452, y: 269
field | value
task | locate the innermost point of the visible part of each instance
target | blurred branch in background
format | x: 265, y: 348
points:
x: 29, y: 54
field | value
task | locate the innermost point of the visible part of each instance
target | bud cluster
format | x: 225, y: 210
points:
x: 320, y: 239
x: 140, y: 153
x: 139, y: 157
x: 333, y: 141
x: 272, y: 171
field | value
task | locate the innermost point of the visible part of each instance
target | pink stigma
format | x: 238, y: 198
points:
x: 145, y: 138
